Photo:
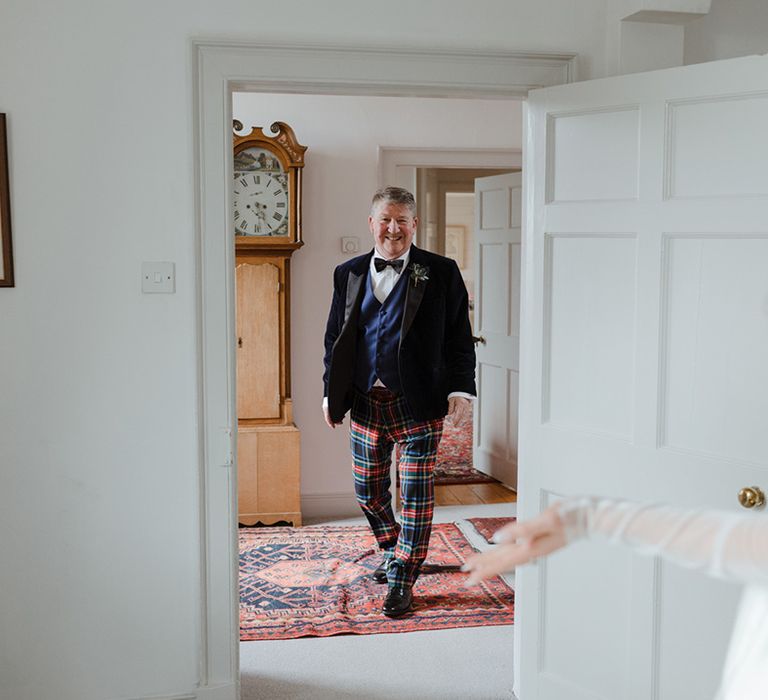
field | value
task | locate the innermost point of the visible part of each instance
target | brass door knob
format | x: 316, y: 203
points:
x: 751, y: 497
x: 478, y: 339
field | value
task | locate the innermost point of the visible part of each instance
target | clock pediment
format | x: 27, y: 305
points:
x: 267, y: 187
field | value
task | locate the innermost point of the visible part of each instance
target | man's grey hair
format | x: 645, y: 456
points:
x: 393, y: 195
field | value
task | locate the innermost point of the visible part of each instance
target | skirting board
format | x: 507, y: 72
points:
x: 227, y: 691
x: 329, y: 505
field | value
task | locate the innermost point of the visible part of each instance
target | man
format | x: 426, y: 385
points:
x: 399, y: 356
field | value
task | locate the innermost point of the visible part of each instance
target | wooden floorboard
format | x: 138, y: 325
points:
x: 444, y: 497
x: 473, y: 494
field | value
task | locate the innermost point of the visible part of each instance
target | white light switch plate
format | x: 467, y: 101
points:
x: 350, y: 244
x: 158, y: 277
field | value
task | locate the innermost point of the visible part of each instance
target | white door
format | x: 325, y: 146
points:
x: 498, y: 201
x: 643, y: 362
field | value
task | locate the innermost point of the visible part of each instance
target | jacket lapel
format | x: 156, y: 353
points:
x: 414, y: 293
x: 355, y: 280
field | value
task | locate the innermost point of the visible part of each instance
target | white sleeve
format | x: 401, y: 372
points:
x: 733, y: 546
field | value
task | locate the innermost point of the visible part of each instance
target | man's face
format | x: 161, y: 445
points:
x: 393, y: 227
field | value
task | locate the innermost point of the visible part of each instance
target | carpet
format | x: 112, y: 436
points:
x: 315, y: 581
x: 454, y: 456
x: 447, y: 474
x: 487, y: 526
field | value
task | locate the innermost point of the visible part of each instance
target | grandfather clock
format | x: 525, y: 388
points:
x: 267, y: 218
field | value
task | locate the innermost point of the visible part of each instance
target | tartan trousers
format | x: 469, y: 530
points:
x: 378, y: 421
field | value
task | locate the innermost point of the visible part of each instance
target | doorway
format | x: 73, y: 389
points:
x: 345, y: 163
x: 446, y: 198
x: 219, y: 70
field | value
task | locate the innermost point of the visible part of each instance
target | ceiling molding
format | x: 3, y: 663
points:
x: 430, y: 72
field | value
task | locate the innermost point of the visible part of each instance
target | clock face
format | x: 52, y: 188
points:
x: 261, y: 194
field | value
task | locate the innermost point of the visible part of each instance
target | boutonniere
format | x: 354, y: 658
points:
x: 419, y: 273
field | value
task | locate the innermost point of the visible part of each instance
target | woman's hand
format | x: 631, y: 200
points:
x: 518, y: 543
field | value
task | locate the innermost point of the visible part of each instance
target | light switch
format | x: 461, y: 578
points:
x: 158, y: 277
x: 350, y: 244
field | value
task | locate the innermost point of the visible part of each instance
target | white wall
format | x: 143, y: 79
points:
x: 460, y: 211
x: 98, y: 413
x: 732, y: 28
x: 343, y: 135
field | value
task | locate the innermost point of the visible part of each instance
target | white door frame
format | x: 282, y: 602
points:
x: 397, y: 166
x: 219, y: 69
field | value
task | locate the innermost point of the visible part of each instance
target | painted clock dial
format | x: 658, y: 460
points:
x: 261, y: 194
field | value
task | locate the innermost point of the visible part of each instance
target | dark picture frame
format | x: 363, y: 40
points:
x: 6, y: 253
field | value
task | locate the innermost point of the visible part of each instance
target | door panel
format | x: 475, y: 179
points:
x: 589, y: 351
x: 258, y: 341
x: 594, y: 156
x: 643, y: 340
x: 576, y: 635
x: 681, y: 620
x: 497, y: 321
x: 714, y: 342
x: 707, y: 160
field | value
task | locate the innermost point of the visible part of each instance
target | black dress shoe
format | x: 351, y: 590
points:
x: 399, y: 601
x: 380, y: 573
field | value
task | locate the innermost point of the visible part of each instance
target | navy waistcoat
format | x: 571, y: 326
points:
x: 378, y: 337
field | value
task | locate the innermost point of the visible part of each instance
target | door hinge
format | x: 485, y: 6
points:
x: 225, y: 447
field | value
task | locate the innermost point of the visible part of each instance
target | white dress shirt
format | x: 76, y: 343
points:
x: 384, y: 282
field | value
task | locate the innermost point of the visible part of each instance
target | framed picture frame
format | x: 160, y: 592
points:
x: 6, y: 255
x: 455, y: 240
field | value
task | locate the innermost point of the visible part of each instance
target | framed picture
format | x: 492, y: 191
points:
x: 455, y: 240
x: 6, y: 257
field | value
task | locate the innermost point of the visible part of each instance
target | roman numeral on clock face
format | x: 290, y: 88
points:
x: 243, y: 182
x: 277, y: 216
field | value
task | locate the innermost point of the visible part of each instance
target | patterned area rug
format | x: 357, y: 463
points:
x: 487, y: 526
x: 446, y: 474
x: 454, y: 456
x: 315, y: 581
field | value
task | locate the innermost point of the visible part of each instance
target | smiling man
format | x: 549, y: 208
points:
x: 399, y: 356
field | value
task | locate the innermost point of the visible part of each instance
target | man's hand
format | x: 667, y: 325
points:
x: 327, y: 416
x: 458, y: 410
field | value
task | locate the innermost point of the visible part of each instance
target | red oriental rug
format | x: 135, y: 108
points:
x: 454, y: 456
x: 487, y: 526
x: 315, y: 581
x: 460, y: 473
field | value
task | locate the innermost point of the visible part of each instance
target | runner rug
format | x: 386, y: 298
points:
x: 454, y: 456
x: 316, y: 581
x: 487, y: 526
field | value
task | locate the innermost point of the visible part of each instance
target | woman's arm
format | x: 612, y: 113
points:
x: 728, y: 545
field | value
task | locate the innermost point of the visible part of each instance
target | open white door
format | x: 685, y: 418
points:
x: 498, y: 202
x: 643, y: 362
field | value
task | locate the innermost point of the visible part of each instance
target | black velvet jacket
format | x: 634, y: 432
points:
x: 436, y: 353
